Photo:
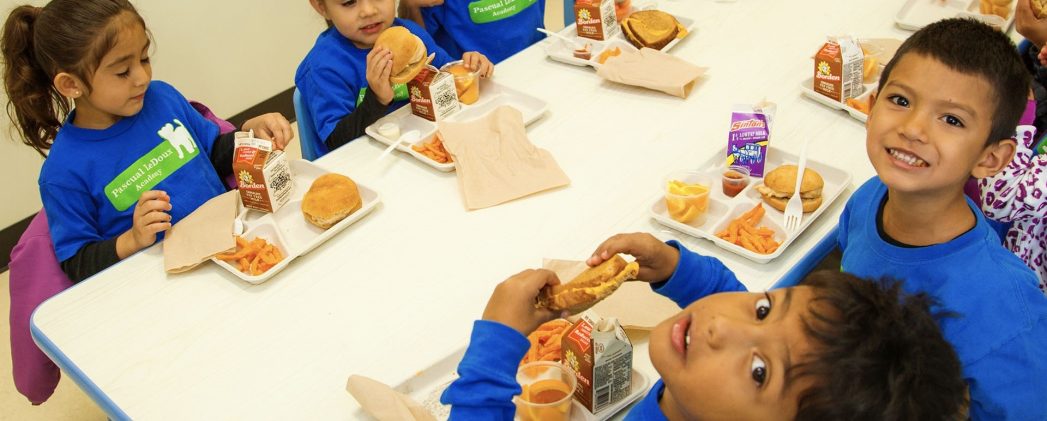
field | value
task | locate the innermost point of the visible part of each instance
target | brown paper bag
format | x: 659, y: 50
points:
x: 652, y: 69
x: 495, y: 161
x: 204, y: 233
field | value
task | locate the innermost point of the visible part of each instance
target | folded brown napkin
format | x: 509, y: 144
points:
x: 495, y: 161
x: 634, y: 304
x: 652, y: 69
x: 384, y: 403
x: 205, y: 232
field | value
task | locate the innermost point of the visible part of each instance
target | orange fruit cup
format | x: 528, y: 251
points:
x: 547, y: 392
x: 687, y: 196
x: 466, y: 81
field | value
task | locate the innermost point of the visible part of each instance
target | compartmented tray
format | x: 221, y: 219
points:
x: 426, y: 386
x: 915, y: 14
x: 724, y: 209
x: 562, y: 51
x: 492, y: 96
x: 807, y: 88
x: 287, y: 228
x: 881, y: 48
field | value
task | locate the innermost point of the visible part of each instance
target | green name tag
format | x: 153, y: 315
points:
x: 1041, y: 147
x: 156, y: 165
x: 486, y: 11
x: 399, y: 93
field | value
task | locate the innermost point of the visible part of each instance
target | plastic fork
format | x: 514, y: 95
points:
x: 794, y: 209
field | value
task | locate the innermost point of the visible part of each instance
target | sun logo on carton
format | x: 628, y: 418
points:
x: 572, y: 360
x: 823, y: 68
x: 245, y: 178
x: 415, y: 92
x: 584, y: 14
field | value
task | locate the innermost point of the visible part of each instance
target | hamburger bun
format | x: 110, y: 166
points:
x: 777, y: 188
x: 330, y: 199
x: 409, y: 53
x: 651, y: 28
x: 589, y: 287
x: 1039, y: 8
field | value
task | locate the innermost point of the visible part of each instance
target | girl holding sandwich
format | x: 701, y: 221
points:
x: 347, y: 82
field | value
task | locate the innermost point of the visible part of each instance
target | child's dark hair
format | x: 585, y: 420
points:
x: 971, y: 47
x: 879, y: 354
x: 38, y: 43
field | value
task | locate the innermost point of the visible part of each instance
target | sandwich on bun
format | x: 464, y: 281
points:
x: 589, y: 287
x: 778, y: 185
x: 652, y: 29
x: 330, y: 199
x: 409, y: 54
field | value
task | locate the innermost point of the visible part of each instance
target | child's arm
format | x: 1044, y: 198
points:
x: 373, y: 107
x: 1017, y: 192
x: 487, y: 383
x: 673, y: 271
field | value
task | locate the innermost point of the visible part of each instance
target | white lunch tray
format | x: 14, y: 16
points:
x: 287, y: 228
x: 881, y: 48
x: 562, y: 51
x: 426, y: 386
x: 916, y: 14
x: 723, y: 209
x: 492, y: 96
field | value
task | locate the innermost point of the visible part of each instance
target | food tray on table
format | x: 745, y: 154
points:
x: 426, y: 386
x: 916, y: 14
x: 287, y: 229
x: 724, y: 209
x: 562, y: 51
x: 492, y: 96
x: 883, y: 50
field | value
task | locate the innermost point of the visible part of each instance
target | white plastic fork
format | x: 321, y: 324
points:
x: 794, y: 209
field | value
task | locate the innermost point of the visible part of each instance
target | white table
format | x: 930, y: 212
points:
x: 400, y: 289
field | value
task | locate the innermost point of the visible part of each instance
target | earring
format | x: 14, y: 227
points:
x: 76, y: 94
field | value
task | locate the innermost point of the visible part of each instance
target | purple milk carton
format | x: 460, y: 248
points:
x: 748, y: 137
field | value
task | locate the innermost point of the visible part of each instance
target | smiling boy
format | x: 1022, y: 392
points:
x: 835, y: 347
x: 946, y: 109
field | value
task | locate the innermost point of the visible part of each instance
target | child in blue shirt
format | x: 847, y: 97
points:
x: 132, y: 157
x: 834, y: 347
x: 946, y: 109
x: 344, y: 82
x: 496, y: 28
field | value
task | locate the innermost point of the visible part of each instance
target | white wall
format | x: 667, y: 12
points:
x: 228, y: 54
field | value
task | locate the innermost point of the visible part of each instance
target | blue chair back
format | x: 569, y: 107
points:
x: 308, y: 138
x: 568, y: 12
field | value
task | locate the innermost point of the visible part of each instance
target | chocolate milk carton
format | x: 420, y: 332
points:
x: 600, y: 355
x: 433, y: 95
x: 595, y: 19
x: 748, y: 137
x: 838, y: 69
x: 262, y: 173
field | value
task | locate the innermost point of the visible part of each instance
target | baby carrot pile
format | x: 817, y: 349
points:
x: 545, y: 341
x: 742, y: 231
x: 253, y: 257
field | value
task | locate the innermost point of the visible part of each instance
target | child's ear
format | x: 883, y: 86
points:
x: 320, y: 8
x: 872, y: 105
x: 69, y: 86
x: 994, y: 158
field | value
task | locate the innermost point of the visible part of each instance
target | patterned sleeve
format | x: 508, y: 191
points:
x: 1018, y: 191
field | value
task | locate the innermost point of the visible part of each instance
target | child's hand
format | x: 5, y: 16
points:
x: 379, y: 68
x: 657, y: 260
x: 478, y: 63
x: 149, y: 218
x: 272, y: 126
x: 1042, y: 56
x: 1026, y: 23
x: 512, y: 302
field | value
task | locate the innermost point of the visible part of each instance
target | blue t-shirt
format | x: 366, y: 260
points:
x: 495, y: 28
x: 333, y: 73
x: 1000, y: 334
x: 92, y: 179
x: 487, y: 383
